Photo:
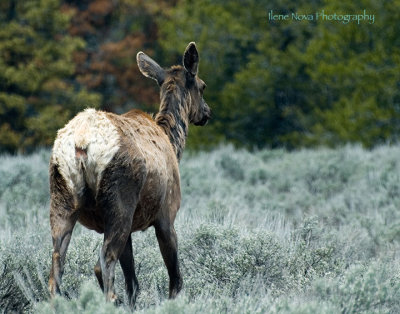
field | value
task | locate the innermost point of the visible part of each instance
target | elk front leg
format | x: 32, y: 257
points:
x: 168, y: 243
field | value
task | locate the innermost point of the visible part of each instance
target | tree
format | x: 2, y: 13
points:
x: 37, y: 92
x: 247, y: 62
x: 355, y: 72
x: 269, y: 83
x: 294, y: 83
x: 115, y: 32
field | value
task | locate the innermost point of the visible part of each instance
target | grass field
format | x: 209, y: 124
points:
x: 312, y: 231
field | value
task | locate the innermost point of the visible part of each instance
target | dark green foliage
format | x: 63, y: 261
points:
x: 37, y: 95
x: 355, y: 94
x: 294, y: 83
x: 270, y: 83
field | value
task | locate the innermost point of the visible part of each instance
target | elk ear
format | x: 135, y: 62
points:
x: 150, y: 68
x: 191, y: 59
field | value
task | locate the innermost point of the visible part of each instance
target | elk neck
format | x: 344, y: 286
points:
x: 173, y: 115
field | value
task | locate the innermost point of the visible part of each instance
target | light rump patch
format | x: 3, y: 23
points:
x: 92, y: 138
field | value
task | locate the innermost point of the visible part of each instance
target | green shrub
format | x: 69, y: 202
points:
x: 261, y: 241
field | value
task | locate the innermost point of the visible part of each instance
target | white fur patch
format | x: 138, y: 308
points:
x: 92, y: 131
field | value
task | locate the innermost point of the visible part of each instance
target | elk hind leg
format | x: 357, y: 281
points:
x: 63, y: 217
x: 115, y: 238
x: 128, y: 267
x: 118, y: 196
x: 99, y: 274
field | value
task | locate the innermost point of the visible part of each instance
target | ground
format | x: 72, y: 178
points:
x: 268, y: 231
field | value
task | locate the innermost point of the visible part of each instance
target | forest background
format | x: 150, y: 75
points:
x: 270, y: 83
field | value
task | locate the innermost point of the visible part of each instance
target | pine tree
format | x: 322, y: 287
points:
x: 115, y: 31
x: 295, y: 83
x: 37, y: 91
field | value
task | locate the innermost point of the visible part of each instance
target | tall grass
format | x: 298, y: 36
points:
x: 271, y: 231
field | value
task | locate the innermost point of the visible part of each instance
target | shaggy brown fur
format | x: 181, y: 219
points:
x: 123, y: 175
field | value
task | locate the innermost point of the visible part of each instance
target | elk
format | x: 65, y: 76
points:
x: 117, y: 174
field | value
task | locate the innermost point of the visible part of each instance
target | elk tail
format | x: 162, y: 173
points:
x: 81, y: 139
x: 81, y: 136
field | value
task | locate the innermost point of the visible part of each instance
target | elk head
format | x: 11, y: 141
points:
x: 185, y: 78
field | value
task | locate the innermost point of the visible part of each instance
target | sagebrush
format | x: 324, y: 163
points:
x: 267, y: 231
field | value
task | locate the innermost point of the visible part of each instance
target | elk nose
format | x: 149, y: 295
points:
x: 208, y: 112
